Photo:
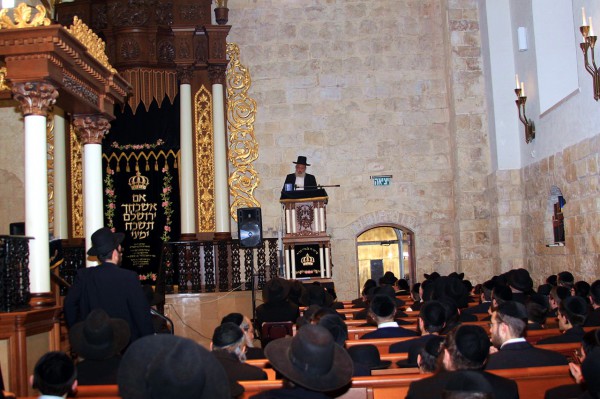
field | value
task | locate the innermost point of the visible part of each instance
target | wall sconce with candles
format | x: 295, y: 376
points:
x: 588, y: 44
x: 520, y: 101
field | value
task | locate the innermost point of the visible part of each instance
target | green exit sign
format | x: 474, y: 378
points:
x: 381, y: 180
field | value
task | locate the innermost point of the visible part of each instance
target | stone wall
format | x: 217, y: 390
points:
x: 12, y: 166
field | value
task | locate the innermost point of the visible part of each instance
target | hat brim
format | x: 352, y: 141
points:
x: 300, y: 163
x: 87, y: 350
x: 383, y: 364
x: 278, y: 353
x: 117, y: 240
x: 406, y: 363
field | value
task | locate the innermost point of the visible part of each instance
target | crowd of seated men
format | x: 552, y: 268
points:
x: 436, y: 321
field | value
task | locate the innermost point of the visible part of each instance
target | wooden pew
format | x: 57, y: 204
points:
x: 534, y: 336
x: 355, y: 332
x: 532, y: 383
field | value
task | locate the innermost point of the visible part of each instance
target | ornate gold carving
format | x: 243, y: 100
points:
x: 3, y: 83
x: 205, y: 168
x: 35, y: 98
x: 76, y: 150
x: 50, y: 154
x: 91, y: 128
x: 22, y: 17
x: 95, y: 46
x: 243, y: 147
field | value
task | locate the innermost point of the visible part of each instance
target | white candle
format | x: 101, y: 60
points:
x: 591, y: 28
x: 522, y: 89
x: 583, y: 16
x: 517, y: 79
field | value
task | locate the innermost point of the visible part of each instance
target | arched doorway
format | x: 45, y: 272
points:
x: 385, y: 248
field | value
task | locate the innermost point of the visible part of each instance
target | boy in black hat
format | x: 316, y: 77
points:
x: 432, y: 319
x: 54, y: 375
x: 115, y: 290
x: 507, y: 330
x: 465, y: 348
x: 571, y: 316
x: 300, y: 180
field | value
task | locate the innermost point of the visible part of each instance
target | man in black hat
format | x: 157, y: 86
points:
x: 465, y: 348
x: 571, y: 316
x: 593, y: 318
x: 248, y: 329
x: 98, y: 341
x: 311, y: 363
x: 165, y: 366
x: 276, y: 306
x: 507, y: 330
x: 54, y: 375
x: 383, y: 310
x: 300, y: 180
x: 229, y: 347
x: 115, y: 290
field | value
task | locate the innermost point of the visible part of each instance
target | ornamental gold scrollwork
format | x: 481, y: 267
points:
x: 205, y: 169
x: 95, y: 46
x: 76, y: 184
x: 243, y: 147
x: 22, y: 17
x: 3, y: 82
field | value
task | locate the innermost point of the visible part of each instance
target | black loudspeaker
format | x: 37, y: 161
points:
x: 17, y: 229
x: 249, y: 227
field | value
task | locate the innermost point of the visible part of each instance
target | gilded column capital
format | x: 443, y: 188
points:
x: 184, y: 75
x: 91, y: 128
x: 35, y: 98
x: 216, y: 74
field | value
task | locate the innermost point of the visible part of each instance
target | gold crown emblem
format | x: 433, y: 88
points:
x: 138, y: 182
x: 307, y: 260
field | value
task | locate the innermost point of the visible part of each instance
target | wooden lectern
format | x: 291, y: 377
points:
x: 307, y: 247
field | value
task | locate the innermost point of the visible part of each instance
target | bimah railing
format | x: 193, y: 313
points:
x: 14, y: 273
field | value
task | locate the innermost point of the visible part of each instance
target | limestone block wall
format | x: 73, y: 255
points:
x: 575, y: 171
x: 12, y: 166
x: 365, y: 88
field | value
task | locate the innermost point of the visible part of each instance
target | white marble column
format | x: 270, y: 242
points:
x: 61, y: 222
x: 186, y: 156
x: 36, y: 99
x: 91, y: 130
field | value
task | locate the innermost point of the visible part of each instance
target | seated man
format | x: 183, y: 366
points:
x: 276, y: 306
x: 571, y: 316
x: 229, y: 347
x: 432, y: 319
x: 165, y: 366
x: 383, y: 310
x: 246, y: 325
x: 465, y: 348
x: 507, y: 330
x: 54, y: 375
x: 593, y: 318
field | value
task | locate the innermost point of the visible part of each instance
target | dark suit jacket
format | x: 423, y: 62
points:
x: 390, y: 332
x: 115, y: 290
x: 98, y: 372
x: 432, y: 387
x: 523, y: 354
x: 255, y: 353
x: 574, y: 334
x: 276, y: 311
x: 481, y: 308
x: 236, y: 370
x: 309, y: 181
x: 593, y: 319
x: 404, y: 346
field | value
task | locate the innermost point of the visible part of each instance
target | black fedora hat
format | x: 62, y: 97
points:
x: 167, y: 366
x: 311, y: 359
x: 105, y: 241
x: 98, y: 336
x: 301, y: 161
x: 368, y: 355
x: 275, y: 290
x: 520, y: 280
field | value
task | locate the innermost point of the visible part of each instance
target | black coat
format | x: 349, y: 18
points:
x: 236, y: 370
x: 309, y: 181
x: 573, y: 334
x: 405, y: 346
x: 276, y: 311
x: 98, y: 372
x: 115, y: 290
x: 432, y: 387
x: 523, y: 354
x: 389, y: 332
x: 481, y: 308
x: 593, y: 319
